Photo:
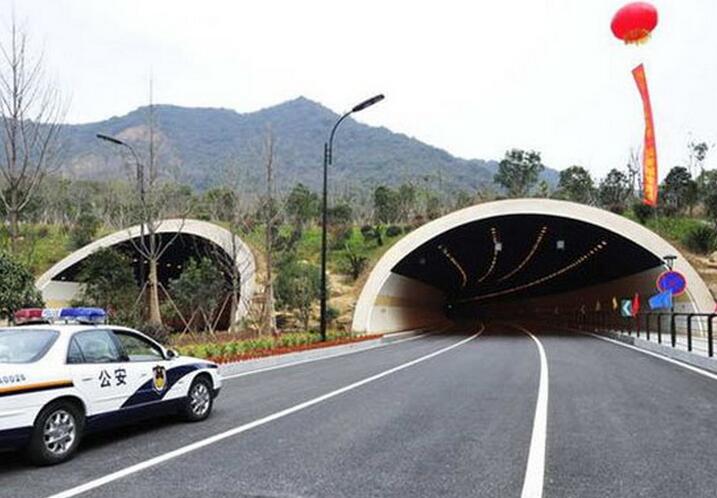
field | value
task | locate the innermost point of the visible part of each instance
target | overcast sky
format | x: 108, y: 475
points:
x: 473, y: 77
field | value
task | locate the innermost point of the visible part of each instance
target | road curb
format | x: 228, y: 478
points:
x: 248, y: 366
x: 661, y: 349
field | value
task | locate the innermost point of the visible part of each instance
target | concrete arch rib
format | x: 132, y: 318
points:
x: 222, y: 238
x: 388, y: 298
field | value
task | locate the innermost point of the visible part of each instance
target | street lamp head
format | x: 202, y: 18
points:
x: 368, y: 103
x: 669, y: 260
x: 108, y: 138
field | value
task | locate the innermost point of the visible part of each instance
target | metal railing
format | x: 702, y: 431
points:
x: 693, y: 327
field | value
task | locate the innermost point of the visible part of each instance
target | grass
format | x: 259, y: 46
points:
x: 674, y: 229
x: 308, y: 247
x: 40, y: 247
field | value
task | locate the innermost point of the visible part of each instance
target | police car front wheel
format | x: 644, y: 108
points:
x: 56, y: 433
x: 198, y: 404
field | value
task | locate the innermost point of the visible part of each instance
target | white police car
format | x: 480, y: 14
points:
x: 59, y: 381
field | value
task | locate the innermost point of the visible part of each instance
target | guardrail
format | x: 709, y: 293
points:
x: 653, y: 324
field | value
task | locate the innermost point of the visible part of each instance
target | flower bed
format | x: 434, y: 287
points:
x: 249, y: 349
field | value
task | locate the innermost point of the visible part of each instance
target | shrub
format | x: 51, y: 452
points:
x: 331, y: 314
x: 643, y: 212
x: 298, y: 286
x: 701, y: 239
x: 17, y: 286
x: 368, y: 232
x: 108, y: 282
x: 393, y: 231
x: 201, y: 286
x: 84, y: 230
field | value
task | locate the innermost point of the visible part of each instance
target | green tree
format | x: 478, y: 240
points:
x: 406, y: 201
x: 108, y: 282
x: 709, y: 196
x: 17, y: 286
x: 386, y: 204
x: 433, y: 207
x: 543, y: 189
x: 298, y: 286
x: 576, y: 185
x: 462, y: 200
x: 340, y: 214
x: 84, y: 230
x: 200, y: 288
x: 302, y: 205
x: 678, y: 190
x: 614, y: 191
x: 219, y: 203
x: 519, y: 171
x: 698, y: 154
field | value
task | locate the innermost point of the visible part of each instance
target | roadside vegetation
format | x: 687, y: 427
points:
x: 360, y: 231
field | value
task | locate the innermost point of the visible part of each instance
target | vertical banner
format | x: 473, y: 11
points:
x: 649, y: 154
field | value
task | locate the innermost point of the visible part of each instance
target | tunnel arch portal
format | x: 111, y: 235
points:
x: 190, y: 238
x: 521, y: 254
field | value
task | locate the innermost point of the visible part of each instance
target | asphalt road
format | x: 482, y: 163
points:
x: 457, y: 423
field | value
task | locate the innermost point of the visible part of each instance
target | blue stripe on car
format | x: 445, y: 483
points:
x: 146, y: 392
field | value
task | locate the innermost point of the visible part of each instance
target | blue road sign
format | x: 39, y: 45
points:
x: 663, y: 300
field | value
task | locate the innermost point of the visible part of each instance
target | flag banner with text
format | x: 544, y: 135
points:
x: 649, y: 153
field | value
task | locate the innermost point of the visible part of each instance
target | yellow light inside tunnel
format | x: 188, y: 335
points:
x: 456, y: 264
x: 496, y: 249
x: 595, y: 250
x: 538, y: 240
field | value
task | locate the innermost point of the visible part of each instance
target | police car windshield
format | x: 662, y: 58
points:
x: 26, y: 345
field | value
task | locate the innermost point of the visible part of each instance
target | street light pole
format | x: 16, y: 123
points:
x: 140, y: 186
x: 328, y: 161
x: 669, y: 260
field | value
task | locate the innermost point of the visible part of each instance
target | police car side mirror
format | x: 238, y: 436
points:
x: 171, y: 354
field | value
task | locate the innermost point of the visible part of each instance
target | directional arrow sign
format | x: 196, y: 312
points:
x: 626, y: 307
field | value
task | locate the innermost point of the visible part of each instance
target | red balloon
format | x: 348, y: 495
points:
x: 634, y: 22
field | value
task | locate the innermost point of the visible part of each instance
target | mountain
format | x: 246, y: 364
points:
x: 197, y: 144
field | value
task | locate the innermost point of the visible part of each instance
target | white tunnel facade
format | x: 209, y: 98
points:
x: 59, y: 292
x: 392, y: 302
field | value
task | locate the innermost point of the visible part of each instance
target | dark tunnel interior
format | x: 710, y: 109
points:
x: 514, y: 257
x: 174, y: 259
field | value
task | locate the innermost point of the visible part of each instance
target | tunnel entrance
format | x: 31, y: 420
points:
x: 182, y: 239
x: 517, y: 255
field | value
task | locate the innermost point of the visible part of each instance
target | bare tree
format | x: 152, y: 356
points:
x: 153, y: 208
x: 271, y: 214
x: 634, y: 166
x: 31, y: 112
x: 234, y: 264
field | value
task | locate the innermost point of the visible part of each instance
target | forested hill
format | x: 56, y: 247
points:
x: 198, y: 143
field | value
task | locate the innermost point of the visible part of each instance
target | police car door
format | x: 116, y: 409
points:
x: 99, y: 371
x: 145, y: 360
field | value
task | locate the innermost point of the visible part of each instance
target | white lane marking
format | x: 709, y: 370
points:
x: 83, y: 488
x: 535, y: 469
x: 656, y: 355
x: 311, y: 360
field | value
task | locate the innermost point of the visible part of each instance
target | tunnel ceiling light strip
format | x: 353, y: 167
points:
x: 541, y: 236
x: 456, y: 264
x: 582, y: 259
x: 494, y: 235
